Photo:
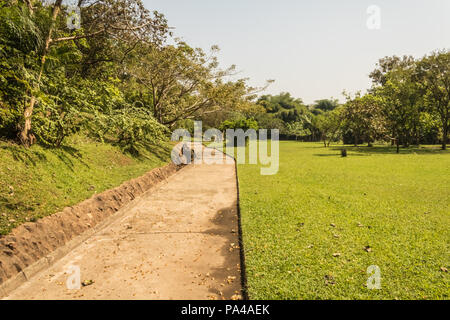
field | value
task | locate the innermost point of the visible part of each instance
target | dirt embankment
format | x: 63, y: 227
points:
x: 32, y: 241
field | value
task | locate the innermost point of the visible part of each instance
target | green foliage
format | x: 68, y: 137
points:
x: 406, y: 99
x: 135, y: 129
x: 244, y: 124
x: 186, y: 83
x: 284, y: 107
x: 281, y: 102
x: 363, y: 116
x: 268, y: 121
x: 329, y: 126
x: 433, y: 77
x: 20, y: 40
x: 69, y: 73
x: 324, y: 105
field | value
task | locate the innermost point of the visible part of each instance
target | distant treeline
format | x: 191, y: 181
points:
x: 409, y: 103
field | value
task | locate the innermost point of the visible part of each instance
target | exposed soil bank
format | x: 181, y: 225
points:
x: 32, y: 241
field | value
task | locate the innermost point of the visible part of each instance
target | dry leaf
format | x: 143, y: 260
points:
x: 329, y: 280
x: 86, y: 283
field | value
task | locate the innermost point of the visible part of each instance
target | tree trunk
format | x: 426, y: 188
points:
x: 406, y: 138
x: 416, y: 135
x: 397, y: 141
x: 26, y: 136
x: 445, y: 137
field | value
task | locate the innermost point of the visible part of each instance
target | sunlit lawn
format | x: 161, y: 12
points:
x: 312, y: 230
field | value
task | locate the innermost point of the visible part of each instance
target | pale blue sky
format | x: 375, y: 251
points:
x: 314, y: 49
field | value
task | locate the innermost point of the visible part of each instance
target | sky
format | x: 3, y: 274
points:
x: 313, y: 49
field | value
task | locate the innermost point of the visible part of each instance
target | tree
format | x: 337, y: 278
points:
x: 324, y: 105
x: 401, y: 99
x: 281, y: 103
x: 433, y: 75
x: 329, y: 125
x: 363, y: 117
x: 386, y: 65
x: 297, y: 129
x: 183, y: 83
x: 118, y: 20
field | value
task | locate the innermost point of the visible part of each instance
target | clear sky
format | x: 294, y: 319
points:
x: 314, y: 49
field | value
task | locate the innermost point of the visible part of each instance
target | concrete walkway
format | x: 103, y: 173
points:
x: 178, y: 241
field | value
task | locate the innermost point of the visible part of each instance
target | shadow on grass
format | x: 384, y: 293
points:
x: 26, y: 156
x: 32, y: 156
x: 67, y: 155
x: 149, y: 151
x: 338, y: 154
x: 381, y: 149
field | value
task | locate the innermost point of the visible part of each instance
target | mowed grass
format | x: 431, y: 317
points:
x: 37, y: 182
x: 307, y: 230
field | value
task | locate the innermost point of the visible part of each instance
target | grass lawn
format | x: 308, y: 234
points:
x: 38, y: 182
x: 312, y: 230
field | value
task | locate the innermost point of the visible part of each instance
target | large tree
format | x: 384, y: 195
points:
x: 120, y: 21
x: 394, y: 81
x: 363, y: 116
x: 433, y: 73
x: 329, y: 124
x: 182, y: 82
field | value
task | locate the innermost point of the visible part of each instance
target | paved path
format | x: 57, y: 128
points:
x: 178, y: 241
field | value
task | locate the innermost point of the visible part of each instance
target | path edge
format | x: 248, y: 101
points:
x: 244, y: 283
x: 243, y: 268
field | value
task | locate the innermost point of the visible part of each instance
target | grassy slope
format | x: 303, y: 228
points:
x: 44, y: 181
x: 400, y: 202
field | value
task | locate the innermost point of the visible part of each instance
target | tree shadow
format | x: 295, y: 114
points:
x: 363, y: 151
x: 384, y: 149
x: 32, y: 156
x: 26, y: 156
x: 338, y: 155
x: 148, y: 151
x: 67, y: 155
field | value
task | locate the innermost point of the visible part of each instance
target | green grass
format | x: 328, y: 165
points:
x: 320, y: 204
x: 37, y: 182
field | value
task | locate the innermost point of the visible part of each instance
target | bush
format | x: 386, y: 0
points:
x: 244, y: 124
